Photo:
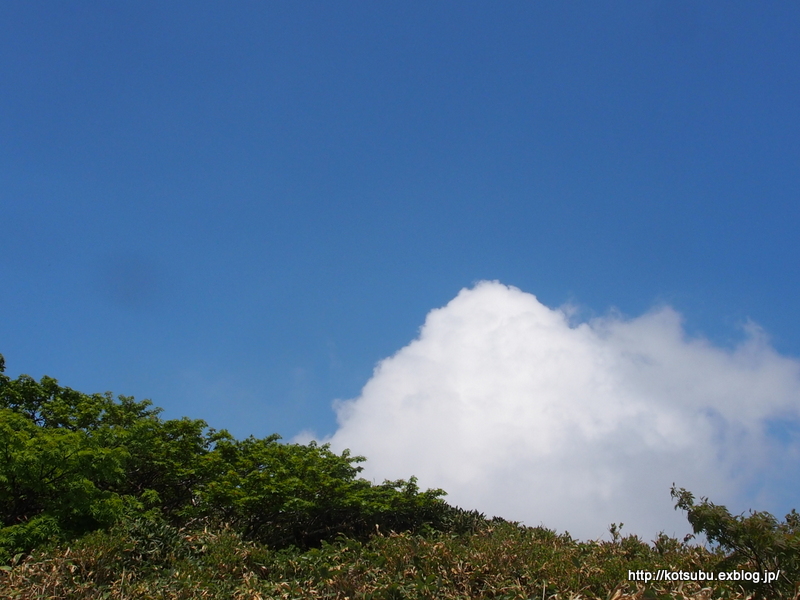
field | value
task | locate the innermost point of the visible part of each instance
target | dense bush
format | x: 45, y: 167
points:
x: 499, y: 560
x: 757, y: 543
x: 291, y: 494
x: 102, y: 498
x: 73, y: 463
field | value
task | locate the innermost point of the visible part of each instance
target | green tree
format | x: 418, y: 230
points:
x: 757, y: 542
x: 293, y: 494
x: 72, y: 463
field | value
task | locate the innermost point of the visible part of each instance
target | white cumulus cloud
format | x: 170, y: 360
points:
x: 516, y: 411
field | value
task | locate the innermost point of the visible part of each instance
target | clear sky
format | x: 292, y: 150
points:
x: 238, y: 210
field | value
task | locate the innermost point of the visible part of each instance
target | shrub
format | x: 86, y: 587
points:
x: 757, y: 542
x: 74, y: 463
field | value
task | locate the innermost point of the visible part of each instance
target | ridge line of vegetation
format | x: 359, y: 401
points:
x: 102, y: 498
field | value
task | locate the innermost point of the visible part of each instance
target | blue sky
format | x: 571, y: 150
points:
x: 238, y: 210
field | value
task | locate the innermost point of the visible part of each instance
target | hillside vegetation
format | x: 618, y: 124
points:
x: 102, y: 498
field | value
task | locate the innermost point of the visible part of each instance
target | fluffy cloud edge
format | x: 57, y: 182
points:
x: 523, y: 411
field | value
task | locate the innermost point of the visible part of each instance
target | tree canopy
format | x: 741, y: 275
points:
x: 73, y: 463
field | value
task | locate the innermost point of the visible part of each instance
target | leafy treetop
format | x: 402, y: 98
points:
x: 71, y: 463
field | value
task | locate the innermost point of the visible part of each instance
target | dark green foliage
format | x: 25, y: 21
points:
x: 292, y: 494
x: 464, y: 522
x: 101, y: 498
x: 73, y: 463
x: 79, y: 462
x: 757, y: 542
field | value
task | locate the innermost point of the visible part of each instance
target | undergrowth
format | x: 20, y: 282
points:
x: 499, y: 560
